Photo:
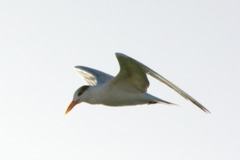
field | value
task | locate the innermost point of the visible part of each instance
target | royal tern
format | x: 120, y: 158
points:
x: 127, y: 88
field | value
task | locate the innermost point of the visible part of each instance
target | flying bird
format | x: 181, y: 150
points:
x: 128, y: 87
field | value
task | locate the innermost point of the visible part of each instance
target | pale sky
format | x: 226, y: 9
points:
x: 194, y: 44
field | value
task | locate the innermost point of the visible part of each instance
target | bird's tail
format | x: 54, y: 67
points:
x: 165, y: 102
x: 158, y: 100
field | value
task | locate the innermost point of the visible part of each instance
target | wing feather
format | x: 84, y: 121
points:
x: 93, y: 76
x: 154, y: 74
x: 131, y: 76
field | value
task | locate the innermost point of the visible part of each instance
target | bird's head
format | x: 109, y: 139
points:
x: 77, y: 97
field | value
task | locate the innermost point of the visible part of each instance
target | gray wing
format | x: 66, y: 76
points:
x: 154, y: 74
x: 131, y: 76
x: 93, y: 76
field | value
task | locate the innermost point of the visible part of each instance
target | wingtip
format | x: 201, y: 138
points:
x: 207, y: 111
x: 204, y: 109
x: 77, y: 66
x: 120, y: 54
x: 80, y: 67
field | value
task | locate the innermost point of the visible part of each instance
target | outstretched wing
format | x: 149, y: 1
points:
x: 143, y: 83
x: 131, y: 76
x: 93, y: 76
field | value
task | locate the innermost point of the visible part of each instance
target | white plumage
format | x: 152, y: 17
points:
x: 129, y: 87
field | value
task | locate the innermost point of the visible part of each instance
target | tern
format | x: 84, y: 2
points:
x: 128, y: 87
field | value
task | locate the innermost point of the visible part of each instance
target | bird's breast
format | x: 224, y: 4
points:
x: 114, y: 97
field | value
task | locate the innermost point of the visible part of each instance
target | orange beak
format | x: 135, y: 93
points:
x: 70, y: 107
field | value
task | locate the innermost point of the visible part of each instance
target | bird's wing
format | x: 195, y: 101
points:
x: 124, y: 63
x: 131, y: 76
x: 93, y: 76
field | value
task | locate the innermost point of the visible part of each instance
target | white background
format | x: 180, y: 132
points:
x: 194, y: 44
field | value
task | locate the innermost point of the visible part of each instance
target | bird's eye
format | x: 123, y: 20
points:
x: 80, y: 92
x: 82, y: 89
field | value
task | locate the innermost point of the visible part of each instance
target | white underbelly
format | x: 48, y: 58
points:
x: 119, y: 99
x: 116, y: 97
